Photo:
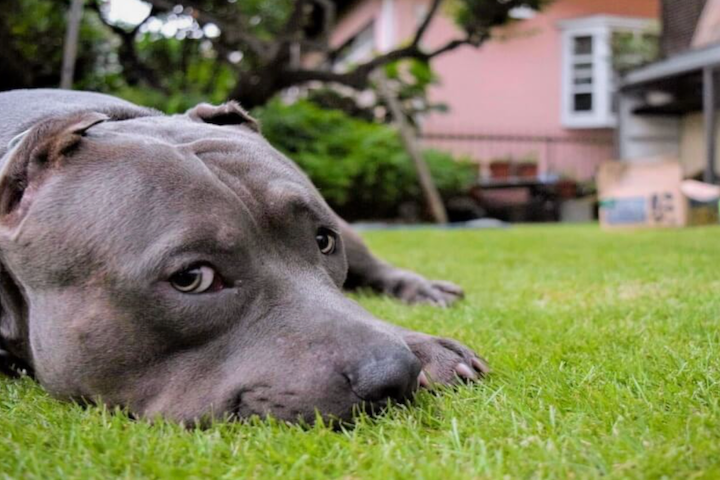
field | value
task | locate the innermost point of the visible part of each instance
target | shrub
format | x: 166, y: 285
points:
x: 360, y: 167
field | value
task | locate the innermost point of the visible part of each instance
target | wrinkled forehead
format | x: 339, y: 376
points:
x: 236, y: 160
x: 133, y: 182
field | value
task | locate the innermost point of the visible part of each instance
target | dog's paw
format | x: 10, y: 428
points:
x: 415, y: 289
x: 445, y: 361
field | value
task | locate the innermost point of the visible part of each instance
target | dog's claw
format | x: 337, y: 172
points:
x: 481, y: 366
x: 448, y: 287
x: 423, y: 381
x: 465, y: 372
x: 445, y: 361
x: 415, y: 289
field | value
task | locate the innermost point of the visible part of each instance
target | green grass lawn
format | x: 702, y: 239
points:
x: 606, y: 350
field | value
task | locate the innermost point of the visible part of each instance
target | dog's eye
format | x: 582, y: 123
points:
x: 196, y: 280
x: 326, y: 241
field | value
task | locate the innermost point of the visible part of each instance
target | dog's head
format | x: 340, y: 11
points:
x: 180, y: 266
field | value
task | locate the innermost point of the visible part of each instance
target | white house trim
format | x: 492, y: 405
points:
x: 686, y: 62
x: 386, y: 32
x: 606, y: 21
x: 600, y: 86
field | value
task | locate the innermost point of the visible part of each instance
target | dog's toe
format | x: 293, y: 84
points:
x: 481, y: 365
x: 415, y: 289
x: 465, y: 372
x: 445, y: 361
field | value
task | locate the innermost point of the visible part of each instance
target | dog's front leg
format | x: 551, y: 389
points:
x: 366, y: 270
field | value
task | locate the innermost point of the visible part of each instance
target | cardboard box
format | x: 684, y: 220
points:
x: 653, y: 194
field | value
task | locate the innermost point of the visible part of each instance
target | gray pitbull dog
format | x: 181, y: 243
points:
x: 180, y: 266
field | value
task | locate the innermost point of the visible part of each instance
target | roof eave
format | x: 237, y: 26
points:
x: 684, y: 63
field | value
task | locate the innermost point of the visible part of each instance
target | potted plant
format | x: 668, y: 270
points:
x: 566, y: 189
x: 501, y: 168
x: 527, y: 168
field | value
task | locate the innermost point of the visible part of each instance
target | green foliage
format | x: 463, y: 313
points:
x: 479, y: 17
x: 413, y: 79
x: 35, y: 32
x: 631, y: 50
x: 360, y: 167
x: 191, y: 75
x: 188, y: 63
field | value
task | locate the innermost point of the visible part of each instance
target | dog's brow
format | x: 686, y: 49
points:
x: 169, y: 247
x: 210, y: 246
x: 317, y: 214
x: 287, y: 199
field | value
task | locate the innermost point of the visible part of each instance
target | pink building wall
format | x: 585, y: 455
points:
x: 507, y: 93
x: 359, y: 15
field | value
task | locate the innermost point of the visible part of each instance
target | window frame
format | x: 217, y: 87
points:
x: 600, y: 28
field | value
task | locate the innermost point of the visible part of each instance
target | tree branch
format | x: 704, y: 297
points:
x: 329, y: 14
x: 426, y: 22
x: 410, y: 51
x: 359, y: 77
x: 453, y: 44
x: 294, y: 23
x: 291, y: 33
x: 272, y: 65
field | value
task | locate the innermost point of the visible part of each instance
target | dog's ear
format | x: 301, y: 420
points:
x: 230, y: 113
x: 34, y: 155
x: 31, y: 158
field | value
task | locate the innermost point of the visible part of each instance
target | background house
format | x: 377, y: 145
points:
x: 541, y: 90
x: 668, y: 109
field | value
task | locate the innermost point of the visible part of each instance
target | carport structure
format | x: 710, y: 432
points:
x: 659, y: 107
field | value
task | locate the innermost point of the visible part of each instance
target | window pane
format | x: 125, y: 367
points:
x: 582, y: 74
x: 615, y: 103
x: 583, y: 102
x: 583, y: 70
x: 583, y: 67
x: 583, y: 45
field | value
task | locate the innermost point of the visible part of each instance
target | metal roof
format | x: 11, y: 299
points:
x: 688, y: 62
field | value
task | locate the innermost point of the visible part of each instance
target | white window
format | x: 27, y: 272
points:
x: 582, y: 81
x: 588, y: 78
x: 386, y: 23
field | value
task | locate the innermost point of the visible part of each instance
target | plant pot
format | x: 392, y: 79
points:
x: 527, y: 170
x: 500, y: 170
x: 567, y: 189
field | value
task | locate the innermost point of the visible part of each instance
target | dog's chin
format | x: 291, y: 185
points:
x: 336, y: 420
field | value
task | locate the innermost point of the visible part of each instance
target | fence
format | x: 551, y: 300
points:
x: 573, y: 157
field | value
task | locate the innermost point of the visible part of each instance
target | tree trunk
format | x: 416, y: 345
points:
x: 71, y: 43
x: 430, y: 191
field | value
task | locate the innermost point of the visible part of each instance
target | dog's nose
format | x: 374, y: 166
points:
x: 386, y: 375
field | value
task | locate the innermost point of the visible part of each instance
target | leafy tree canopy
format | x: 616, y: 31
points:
x: 248, y: 50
